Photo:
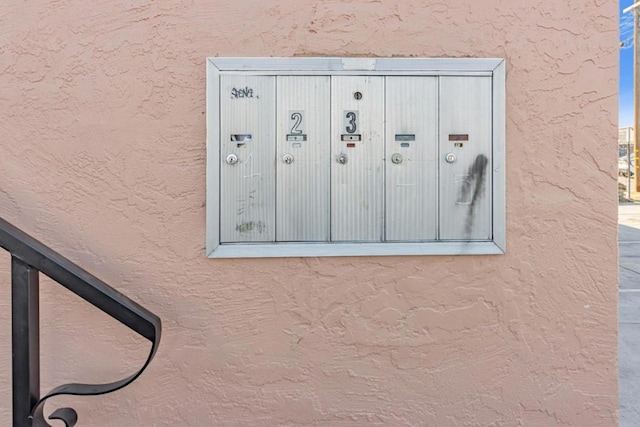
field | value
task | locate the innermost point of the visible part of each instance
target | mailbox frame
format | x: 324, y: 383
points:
x: 334, y: 66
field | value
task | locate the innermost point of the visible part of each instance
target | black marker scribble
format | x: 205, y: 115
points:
x: 241, y: 93
x: 476, y: 181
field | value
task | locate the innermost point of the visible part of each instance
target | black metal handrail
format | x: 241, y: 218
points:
x: 28, y: 258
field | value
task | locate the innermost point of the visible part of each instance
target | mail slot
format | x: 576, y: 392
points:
x: 403, y: 137
x: 241, y: 137
x: 347, y: 137
x: 296, y: 138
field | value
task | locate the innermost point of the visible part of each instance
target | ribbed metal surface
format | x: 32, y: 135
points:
x: 357, y: 185
x: 247, y: 188
x: 465, y: 132
x: 304, y: 134
x: 411, y: 208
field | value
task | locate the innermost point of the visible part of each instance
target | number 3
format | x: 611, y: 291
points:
x: 352, y: 127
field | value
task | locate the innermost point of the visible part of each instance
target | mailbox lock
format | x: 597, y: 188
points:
x: 232, y: 159
x: 450, y: 158
x: 287, y: 158
x: 396, y: 158
x: 342, y: 158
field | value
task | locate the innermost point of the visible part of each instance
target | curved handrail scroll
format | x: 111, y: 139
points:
x: 93, y: 290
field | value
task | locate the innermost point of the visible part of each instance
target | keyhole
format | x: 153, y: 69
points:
x: 357, y: 96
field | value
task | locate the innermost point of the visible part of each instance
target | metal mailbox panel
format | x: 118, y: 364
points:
x: 411, y: 155
x: 465, y: 158
x: 247, y: 153
x: 357, y: 149
x: 303, y: 153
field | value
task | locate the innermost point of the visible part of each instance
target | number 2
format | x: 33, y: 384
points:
x: 298, y: 120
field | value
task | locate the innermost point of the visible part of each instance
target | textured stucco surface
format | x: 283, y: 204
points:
x: 102, y: 156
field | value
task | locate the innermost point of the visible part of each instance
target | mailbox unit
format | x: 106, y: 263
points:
x: 355, y: 157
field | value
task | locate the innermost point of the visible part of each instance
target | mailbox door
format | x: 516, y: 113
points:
x: 357, y: 150
x: 465, y: 158
x: 247, y: 153
x: 411, y: 208
x: 302, y: 197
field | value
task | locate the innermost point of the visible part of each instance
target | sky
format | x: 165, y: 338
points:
x: 625, y: 119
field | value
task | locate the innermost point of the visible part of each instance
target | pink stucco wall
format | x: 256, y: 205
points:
x: 102, y: 156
